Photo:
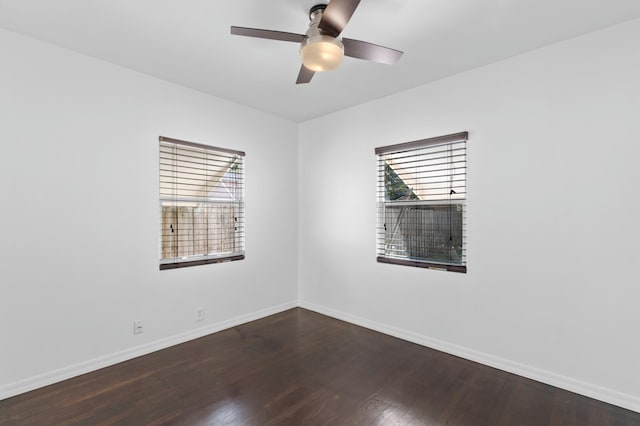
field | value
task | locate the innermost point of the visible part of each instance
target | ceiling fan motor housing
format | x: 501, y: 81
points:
x: 320, y: 51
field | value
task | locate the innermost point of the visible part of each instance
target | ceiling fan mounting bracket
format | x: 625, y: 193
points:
x: 318, y: 8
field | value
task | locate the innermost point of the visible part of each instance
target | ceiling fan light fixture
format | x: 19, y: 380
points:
x: 321, y: 53
x: 321, y: 48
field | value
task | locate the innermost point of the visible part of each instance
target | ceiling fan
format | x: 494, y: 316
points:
x: 321, y: 48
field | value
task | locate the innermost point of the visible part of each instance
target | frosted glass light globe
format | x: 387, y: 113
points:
x: 322, y: 53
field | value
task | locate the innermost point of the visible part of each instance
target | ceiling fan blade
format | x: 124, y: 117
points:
x: 305, y: 75
x: 370, y: 52
x: 268, y: 34
x: 336, y: 16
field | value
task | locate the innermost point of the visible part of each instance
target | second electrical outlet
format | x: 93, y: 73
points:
x: 199, y: 314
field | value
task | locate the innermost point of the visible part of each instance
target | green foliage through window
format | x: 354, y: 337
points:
x: 395, y: 188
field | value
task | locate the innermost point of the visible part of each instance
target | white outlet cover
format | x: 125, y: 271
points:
x: 199, y: 314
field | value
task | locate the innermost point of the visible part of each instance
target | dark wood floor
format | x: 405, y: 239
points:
x: 299, y: 367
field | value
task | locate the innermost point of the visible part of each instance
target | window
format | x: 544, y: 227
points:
x: 201, y: 204
x: 421, y: 203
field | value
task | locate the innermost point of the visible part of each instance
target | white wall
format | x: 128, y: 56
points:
x: 80, y: 218
x: 551, y: 291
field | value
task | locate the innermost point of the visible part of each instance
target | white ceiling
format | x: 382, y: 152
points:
x: 188, y: 41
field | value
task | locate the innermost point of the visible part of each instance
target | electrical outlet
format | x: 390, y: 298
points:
x: 199, y: 314
x: 137, y: 327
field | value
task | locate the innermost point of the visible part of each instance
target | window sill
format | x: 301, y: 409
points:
x: 175, y: 265
x: 419, y: 264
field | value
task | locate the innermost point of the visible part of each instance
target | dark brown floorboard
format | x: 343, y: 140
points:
x: 297, y: 368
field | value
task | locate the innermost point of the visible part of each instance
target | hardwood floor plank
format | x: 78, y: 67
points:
x: 298, y: 368
x: 565, y: 410
x: 529, y: 402
x: 484, y: 387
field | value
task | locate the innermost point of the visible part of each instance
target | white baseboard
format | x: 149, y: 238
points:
x: 35, y: 382
x: 610, y: 396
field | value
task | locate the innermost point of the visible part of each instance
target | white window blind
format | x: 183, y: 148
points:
x: 201, y: 204
x: 422, y: 187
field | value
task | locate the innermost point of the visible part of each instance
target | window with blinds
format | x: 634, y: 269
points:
x: 422, y: 187
x: 201, y: 204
